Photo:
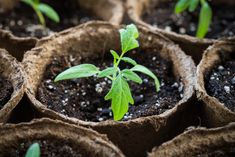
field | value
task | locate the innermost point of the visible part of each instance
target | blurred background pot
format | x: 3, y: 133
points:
x: 200, y: 142
x: 55, y: 139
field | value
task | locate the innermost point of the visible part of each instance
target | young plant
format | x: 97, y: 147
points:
x: 42, y: 8
x: 205, y: 16
x: 33, y: 151
x: 120, y: 93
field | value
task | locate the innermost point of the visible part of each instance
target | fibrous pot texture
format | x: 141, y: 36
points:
x: 214, y: 111
x: 136, y: 136
x: 200, y: 142
x: 191, y: 45
x: 12, y: 71
x: 77, y: 138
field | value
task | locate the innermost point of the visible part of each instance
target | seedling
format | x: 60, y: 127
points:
x: 33, y: 151
x: 205, y: 16
x: 120, y: 93
x: 42, y: 8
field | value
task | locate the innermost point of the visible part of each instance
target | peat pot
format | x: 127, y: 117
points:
x: 200, y: 142
x: 215, y: 83
x: 159, y: 16
x: 158, y: 117
x: 55, y: 138
x: 12, y: 84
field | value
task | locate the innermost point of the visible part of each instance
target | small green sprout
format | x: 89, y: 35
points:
x: 205, y: 16
x: 119, y: 94
x: 42, y: 8
x: 33, y: 151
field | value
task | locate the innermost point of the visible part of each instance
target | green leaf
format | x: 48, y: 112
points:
x: 107, y: 72
x: 205, y: 19
x: 114, y: 53
x: 128, y: 38
x: 49, y: 12
x: 181, y: 5
x: 120, y: 96
x: 131, y: 76
x: 79, y: 71
x: 129, y: 60
x: 193, y: 4
x: 33, y: 151
x: 143, y: 69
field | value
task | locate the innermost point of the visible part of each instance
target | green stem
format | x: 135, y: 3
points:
x: 116, y: 66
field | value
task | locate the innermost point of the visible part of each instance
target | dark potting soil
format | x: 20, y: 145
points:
x: 6, y: 90
x: 84, y: 98
x: 220, y: 82
x: 163, y: 16
x: 23, y: 21
x: 48, y: 148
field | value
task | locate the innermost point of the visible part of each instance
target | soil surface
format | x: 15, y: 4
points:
x: 220, y: 82
x: 23, y: 21
x: 163, y: 16
x: 226, y: 152
x: 48, y: 148
x: 6, y: 90
x: 84, y: 98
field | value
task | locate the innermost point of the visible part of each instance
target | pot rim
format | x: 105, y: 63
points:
x: 188, y: 91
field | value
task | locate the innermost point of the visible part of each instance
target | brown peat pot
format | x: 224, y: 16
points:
x: 92, y: 41
x: 137, y: 10
x: 215, y: 83
x: 12, y: 84
x: 16, y: 46
x: 200, y: 142
x: 55, y: 138
x: 23, y: 22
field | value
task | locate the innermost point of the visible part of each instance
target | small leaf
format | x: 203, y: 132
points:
x: 79, y: 71
x: 107, y: 72
x: 114, y: 53
x: 128, y: 38
x: 33, y: 151
x: 131, y: 76
x: 193, y: 4
x: 181, y: 5
x: 205, y: 19
x: 120, y: 96
x: 129, y: 60
x: 49, y: 12
x: 143, y: 69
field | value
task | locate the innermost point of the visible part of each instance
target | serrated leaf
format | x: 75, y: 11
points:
x: 79, y: 71
x: 129, y: 60
x: 128, y: 38
x: 49, y: 12
x: 181, y: 5
x: 193, y: 4
x: 107, y: 72
x: 120, y: 96
x: 205, y: 19
x: 131, y: 76
x: 114, y: 53
x: 33, y: 151
x: 143, y: 69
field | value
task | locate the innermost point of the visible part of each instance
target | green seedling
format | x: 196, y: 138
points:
x: 120, y: 93
x: 205, y: 16
x: 33, y: 151
x: 42, y: 8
